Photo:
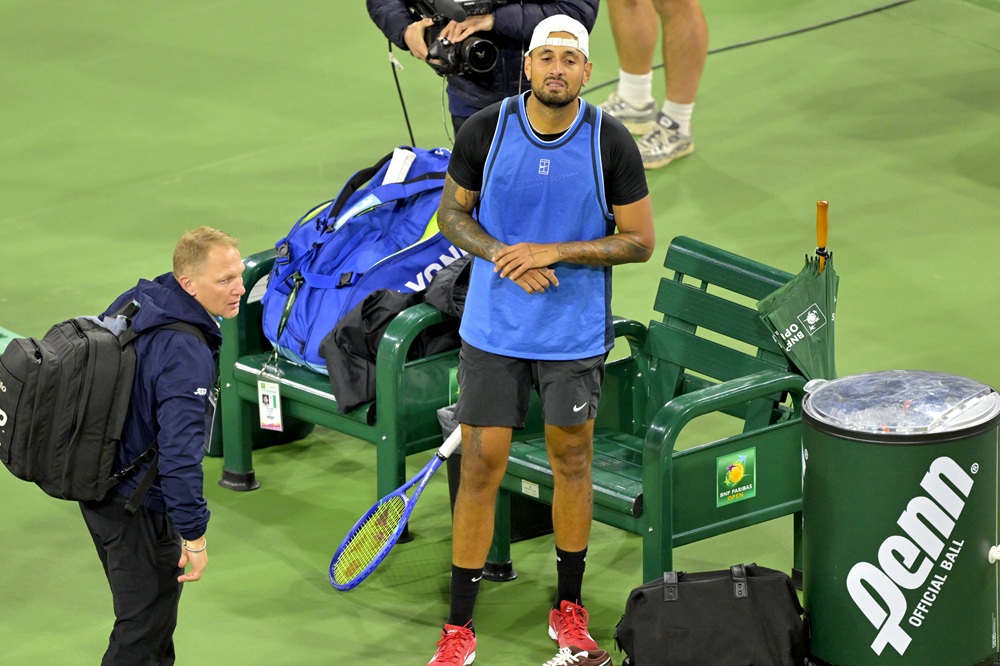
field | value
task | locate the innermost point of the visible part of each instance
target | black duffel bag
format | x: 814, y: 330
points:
x: 743, y: 616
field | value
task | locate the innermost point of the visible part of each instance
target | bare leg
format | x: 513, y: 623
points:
x: 634, y: 26
x: 571, y: 452
x: 484, y: 461
x: 685, y: 47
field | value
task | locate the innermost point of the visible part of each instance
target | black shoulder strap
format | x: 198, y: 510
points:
x: 186, y: 327
x: 355, y: 182
x: 145, y: 483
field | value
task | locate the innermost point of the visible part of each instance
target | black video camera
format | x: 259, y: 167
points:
x: 474, y: 54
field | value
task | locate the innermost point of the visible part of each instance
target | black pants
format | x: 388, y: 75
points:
x: 139, y: 554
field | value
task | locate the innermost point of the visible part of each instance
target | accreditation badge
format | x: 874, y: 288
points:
x: 269, y: 405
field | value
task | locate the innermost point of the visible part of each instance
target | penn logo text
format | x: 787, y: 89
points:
x: 906, y: 561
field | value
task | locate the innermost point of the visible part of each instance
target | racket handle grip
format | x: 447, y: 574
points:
x: 450, y: 444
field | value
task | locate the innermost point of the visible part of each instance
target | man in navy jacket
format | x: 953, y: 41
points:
x: 508, y: 26
x: 145, y: 555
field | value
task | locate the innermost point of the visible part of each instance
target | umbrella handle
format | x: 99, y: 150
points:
x: 822, y: 231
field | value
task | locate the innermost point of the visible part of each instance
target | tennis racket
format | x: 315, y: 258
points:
x: 372, y: 537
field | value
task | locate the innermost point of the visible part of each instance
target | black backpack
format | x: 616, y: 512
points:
x: 63, y: 402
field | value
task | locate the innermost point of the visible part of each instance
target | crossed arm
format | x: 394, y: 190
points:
x: 527, y: 264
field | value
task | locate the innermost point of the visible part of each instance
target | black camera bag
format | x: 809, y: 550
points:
x: 743, y: 616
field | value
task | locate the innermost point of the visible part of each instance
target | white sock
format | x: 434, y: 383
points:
x: 636, y: 89
x: 679, y: 113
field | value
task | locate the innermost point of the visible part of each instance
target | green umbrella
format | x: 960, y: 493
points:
x: 801, y: 314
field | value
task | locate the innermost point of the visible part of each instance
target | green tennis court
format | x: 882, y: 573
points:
x: 125, y: 124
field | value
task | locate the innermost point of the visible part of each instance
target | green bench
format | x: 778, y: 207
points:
x: 401, y: 420
x: 710, y: 354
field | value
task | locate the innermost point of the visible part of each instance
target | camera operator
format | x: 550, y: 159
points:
x: 508, y: 26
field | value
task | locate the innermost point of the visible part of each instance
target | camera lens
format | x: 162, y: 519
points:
x: 480, y: 54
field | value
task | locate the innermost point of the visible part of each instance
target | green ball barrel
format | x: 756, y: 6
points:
x: 897, y: 535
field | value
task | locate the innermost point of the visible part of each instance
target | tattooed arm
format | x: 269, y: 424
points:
x: 457, y: 224
x: 633, y: 243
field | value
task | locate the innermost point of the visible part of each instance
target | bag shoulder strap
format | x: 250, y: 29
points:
x: 387, y: 192
x: 184, y: 326
x: 145, y: 483
x: 355, y: 182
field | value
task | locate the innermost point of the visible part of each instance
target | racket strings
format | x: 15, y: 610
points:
x: 369, y: 540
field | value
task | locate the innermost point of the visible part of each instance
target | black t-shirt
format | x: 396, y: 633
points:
x: 624, y: 177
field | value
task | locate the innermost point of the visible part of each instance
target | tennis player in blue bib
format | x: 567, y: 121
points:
x: 547, y: 194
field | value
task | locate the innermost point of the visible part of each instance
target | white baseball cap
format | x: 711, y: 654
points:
x: 561, y: 23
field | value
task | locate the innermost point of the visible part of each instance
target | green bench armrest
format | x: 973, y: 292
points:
x: 666, y: 426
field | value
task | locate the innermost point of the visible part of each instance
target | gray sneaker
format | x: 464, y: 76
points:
x: 664, y: 143
x: 636, y: 121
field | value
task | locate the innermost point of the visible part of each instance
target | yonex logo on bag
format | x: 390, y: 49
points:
x: 422, y: 279
x: 3, y: 389
x: 3, y: 418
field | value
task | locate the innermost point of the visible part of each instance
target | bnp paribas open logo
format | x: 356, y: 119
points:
x: 812, y: 319
x: 736, y: 476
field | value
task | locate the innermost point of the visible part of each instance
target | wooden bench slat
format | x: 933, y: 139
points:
x: 712, y: 312
x: 723, y: 268
x: 297, y: 384
x: 616, y: 470
x: 704, y: 356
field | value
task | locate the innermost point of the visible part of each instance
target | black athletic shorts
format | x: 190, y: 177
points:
x: 495, y: 390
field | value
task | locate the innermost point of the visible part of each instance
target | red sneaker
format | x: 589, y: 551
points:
x: 457, y: 647
x: 568, y: 626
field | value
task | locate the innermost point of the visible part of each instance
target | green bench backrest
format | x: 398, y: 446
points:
x: 710, y: 330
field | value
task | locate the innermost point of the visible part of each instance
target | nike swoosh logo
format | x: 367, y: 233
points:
x: 476, y: 580
x: 578, y: 408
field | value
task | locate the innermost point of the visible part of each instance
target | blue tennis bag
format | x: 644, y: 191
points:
x: 380, y: 232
